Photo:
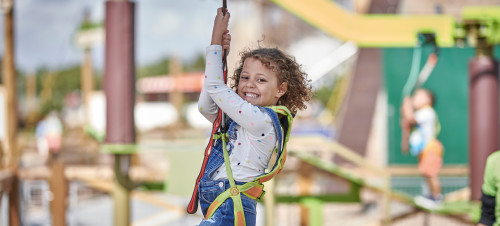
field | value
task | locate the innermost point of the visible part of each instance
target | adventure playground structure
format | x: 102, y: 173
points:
x: 465, y: 76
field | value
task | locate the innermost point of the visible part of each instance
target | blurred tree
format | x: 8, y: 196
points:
x: 157, y: 68
x: 197, y: 64
x: 162, y: 67
x: 54, y: 85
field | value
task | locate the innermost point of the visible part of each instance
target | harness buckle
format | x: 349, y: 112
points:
x: 234, y: 191
x: 221, y: 135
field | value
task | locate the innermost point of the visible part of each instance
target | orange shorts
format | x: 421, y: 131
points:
x: 431, y: 159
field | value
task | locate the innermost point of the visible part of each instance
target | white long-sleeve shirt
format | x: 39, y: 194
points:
x: 256, y: 137
x: 425, y: 130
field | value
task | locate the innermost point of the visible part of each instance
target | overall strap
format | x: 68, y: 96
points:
x: 286, y: 123
x: 233, y: 191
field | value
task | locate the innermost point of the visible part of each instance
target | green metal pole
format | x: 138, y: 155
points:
x: 121, y: 190
x: 315, y: 210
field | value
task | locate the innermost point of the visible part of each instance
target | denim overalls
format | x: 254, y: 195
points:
x: 209, y: 189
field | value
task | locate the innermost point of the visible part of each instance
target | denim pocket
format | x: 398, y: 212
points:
x: 208, y: 192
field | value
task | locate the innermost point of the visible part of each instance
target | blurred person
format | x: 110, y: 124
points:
x: 54, y: 132
x: 420, y: 119
x: 49, y: 135
x: 40, y: 131
x: 261, y: 80
x: 490, y: 199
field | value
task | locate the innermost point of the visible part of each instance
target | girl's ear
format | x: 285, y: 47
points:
x: 282, y: 89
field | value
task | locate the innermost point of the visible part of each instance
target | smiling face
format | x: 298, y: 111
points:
x: 259, y: 85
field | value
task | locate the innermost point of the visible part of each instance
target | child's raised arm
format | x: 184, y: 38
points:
x: 407, y: 110
x: 206, y: 105
x: 242, y: 112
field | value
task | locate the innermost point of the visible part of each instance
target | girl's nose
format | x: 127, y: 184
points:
x: 251, y: 84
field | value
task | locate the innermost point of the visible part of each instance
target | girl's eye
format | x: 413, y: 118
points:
x: 244, y: 77
x: 261, y: 80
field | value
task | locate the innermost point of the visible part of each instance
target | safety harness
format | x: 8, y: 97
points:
x: 253, y: 189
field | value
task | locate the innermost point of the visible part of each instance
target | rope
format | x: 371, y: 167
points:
x: 224, y: 66
x: 418, y: 77
x: 415, y: 67
x: 218, y: 125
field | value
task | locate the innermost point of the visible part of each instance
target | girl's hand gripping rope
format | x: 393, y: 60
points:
x: 220, y: 33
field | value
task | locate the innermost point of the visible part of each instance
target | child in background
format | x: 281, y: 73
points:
x: 419, y: 113
x: 265, y: 77
x: 490, y: 200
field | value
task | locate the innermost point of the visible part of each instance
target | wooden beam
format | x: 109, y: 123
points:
x: 450, y: 170
x: 105, y: 173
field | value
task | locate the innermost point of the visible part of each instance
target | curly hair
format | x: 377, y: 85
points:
x: 287, y: 69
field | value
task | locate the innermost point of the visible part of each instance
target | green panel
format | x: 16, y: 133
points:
x: 184, y: 165
x: 449, y: 82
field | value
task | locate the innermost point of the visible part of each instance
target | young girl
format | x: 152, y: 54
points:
x: 265, y: 77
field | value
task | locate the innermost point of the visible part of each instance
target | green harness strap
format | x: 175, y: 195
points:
x: 252, y: 189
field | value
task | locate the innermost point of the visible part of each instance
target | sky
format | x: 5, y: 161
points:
x: 45, y: 31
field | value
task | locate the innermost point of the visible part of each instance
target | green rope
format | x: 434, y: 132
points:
x: 414, y: 71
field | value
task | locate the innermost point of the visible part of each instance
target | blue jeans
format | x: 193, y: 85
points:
x: 224, y: 215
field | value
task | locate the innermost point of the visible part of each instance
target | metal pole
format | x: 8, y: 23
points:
x: 483, y: 118
x: 483, y: 107
x: 119, y: 88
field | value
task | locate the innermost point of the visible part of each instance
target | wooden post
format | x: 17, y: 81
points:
x: 386, y: 202
x: 270, y: 203
x: 176, y: 96
x: 59, y: 189
x: 31, y: 98
x: 2, y: 149
x: 87, y: 80
x: 305, y: 181
x: 47, y: 83
x: 9, y: 81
